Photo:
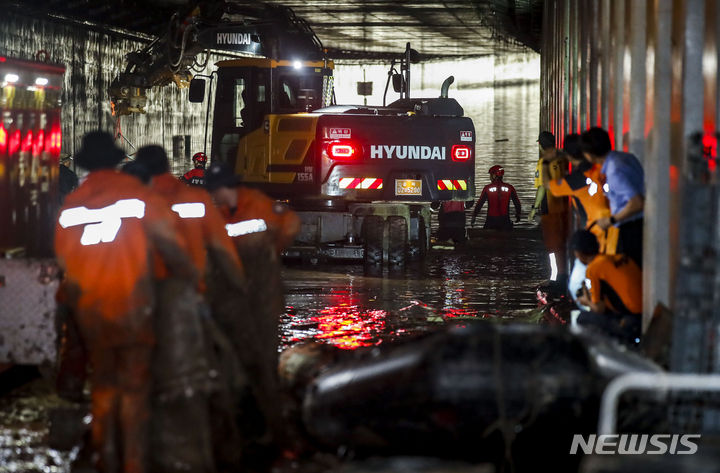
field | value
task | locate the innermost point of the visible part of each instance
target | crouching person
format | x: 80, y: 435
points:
x: 612, y: 290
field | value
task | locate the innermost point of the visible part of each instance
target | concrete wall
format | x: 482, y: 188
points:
x: 646, y: 70
x: 92, y: 59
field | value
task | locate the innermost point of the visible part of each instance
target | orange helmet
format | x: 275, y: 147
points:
x: 497, y: 171
x: 199, y: 160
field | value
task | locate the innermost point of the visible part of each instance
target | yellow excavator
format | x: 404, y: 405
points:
x: 360, y: 177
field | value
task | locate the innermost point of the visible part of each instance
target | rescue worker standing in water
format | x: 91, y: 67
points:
x: 451, y: 221
x: 260, y: 228
x: 104, y: 238
x: 196, y: 176
x: 183, y: 440
x: 498, y: 195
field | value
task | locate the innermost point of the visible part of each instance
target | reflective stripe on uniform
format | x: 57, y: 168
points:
x: 189, y: 209
x: 102, y: 225
x: 246, y: 227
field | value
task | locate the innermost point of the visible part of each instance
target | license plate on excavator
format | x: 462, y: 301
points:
x: 408, y: 187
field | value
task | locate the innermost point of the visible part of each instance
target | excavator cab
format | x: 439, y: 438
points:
x: 251, y: 95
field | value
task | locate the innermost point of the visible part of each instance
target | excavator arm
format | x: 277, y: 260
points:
x: 270, y: 31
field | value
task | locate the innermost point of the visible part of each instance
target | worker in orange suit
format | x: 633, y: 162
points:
x: 184, y: 337
x: 260, y: 228
x: 106, y: 233
x: 198, y: 219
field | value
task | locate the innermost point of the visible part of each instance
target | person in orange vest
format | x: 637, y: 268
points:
x: 261, y: 229
x: 612, y: 289
x: 184, y: 338
x: 196, y: 176
x: 106, y: 233
x: 498, y: 195
x: 584, y: 186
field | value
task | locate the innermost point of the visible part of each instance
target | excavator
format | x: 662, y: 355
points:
x: 360, y: 177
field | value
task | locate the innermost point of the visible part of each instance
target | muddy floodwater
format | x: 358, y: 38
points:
x: 493, y: 277
x: 350, y: 306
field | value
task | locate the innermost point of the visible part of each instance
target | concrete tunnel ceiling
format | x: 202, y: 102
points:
x: 350, y: 29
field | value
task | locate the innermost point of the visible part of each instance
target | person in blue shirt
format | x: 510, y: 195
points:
x: 625, y: 189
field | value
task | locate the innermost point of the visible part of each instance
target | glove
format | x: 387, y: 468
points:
x: 531, y: 215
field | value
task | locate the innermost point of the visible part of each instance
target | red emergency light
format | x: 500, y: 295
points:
x: 53, y: 142
x: 27, y: 142
x: 342, y: 150
x: 14, y: 142
x: 460, y: 153
x: 39, y: 143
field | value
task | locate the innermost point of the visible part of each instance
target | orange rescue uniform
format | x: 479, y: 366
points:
x: 261, y: 228
x: 104, y: 237
x: 198, y: 220
x: 617, y: 281
x: 554, y: 218
x: 584, y: 185
x: 278, y: 227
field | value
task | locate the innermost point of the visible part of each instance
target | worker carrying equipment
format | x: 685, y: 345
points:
x: 104, y: 238
x: 196, y: 176
x: 498, y: 195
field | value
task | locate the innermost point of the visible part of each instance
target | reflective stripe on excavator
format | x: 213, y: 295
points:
x: 452, y: 185
x: 360, y: 183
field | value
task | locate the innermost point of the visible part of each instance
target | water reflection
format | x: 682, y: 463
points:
x: 493, y: 277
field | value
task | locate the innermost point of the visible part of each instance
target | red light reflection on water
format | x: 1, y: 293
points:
x: 348, y: 326
x: 452, y: 313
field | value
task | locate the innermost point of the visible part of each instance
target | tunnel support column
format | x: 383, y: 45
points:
x: 656, y: 248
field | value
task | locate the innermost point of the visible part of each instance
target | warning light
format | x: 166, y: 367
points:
x: 11, y: 78
x: 14, y: 142
x: 41, y: 81
x: 27, y: 142
x: 53, y: 142
x: 39, y: 143
x: 460, y: 153
x: 342, y: 151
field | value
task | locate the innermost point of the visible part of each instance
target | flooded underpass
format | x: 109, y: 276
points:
x: 349, y: 306
x: 494, y: 277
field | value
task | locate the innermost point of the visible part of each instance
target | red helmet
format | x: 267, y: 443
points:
x: 199, y: 159
x: 497, y: 171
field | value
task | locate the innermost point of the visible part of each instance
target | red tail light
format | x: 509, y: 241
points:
x: 53, y: 142
x: 14, y: 142
x: 460, y: 153
x: 27, y: 142
x: 342, y: 151
x: 39, y: 143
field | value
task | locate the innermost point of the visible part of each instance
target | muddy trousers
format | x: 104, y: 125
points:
x: 253, y: 320
x: 120, y: 407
